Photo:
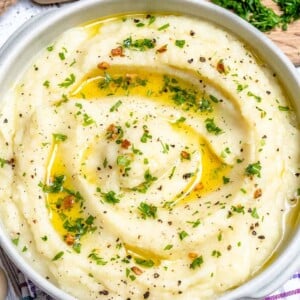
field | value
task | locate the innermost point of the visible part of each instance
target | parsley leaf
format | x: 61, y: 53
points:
x: 68, y: 81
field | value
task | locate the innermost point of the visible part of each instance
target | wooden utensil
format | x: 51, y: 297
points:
x: 51, y: 1
x: 3, y: 285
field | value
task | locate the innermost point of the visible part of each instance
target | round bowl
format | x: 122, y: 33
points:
x: 40, y: 31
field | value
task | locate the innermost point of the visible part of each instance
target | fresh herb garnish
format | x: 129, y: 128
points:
x: 149, y: 179
x: 68, y: 81
x: 253, y: 169
x: 116, y: 106
x: 139, y: 44
x: 180, y: 43
x: 148, y: 263
x: 95, y: 257
x: 212, y: 127
x: 196, y: 263
x: 58, y: 137
x: 58, y: 255
x: 182, y: 234
x: 55, y: 186
x: 147, y: 210
x: 110, y: 197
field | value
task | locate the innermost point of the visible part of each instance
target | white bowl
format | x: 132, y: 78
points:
x: 40, y: 31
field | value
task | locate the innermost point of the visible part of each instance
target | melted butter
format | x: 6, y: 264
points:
x: 126, y: 81
x: 56, y: 167
x: 144, y: 254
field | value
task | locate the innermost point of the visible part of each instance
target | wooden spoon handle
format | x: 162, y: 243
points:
x: 51, y: 1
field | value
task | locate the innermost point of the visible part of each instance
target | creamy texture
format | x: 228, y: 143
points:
x: 147, y: 157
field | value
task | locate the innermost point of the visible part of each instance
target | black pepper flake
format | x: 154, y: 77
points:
x: 253, y: 232
x: 104, y: 292
x: 261, y: 237
x: 190, y: 60
x: 202, y: 59
x: 5, y: 121
x: 268, y: 92
x: 146, y: 295
x: 192, y: 33
x: 229, y: 247
x: 179, y: 282
x: 155, y: 275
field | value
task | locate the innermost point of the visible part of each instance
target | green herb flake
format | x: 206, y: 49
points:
x: 3, y: 162
x: 139, y: 44
x: 253, y: 169
x: 50, y: 48
x: 15, y: 241
x: 44, y: 238
x: 212, y: 127
x: 147, y: 263
x: 147, y: 210
x: 58, y: 137
x: 58, y: 256
x: 55, y: 186
x: 180, y: 43
x: 145, y: 135
x: 68, y: 81
x: 194, y: 223
x: 163, y: 27
x: 116, y: 106
x: 168, y: 247
x: 182, y: 235
x: 180, y: 120
x: 87, y: 120
x: 96, y: 258
x: 254, y: 213
x: 46, y: 83
x: 151, y: 20
x: 172, y: 172
x: 197, y: 262
x: 283, y: 108
x: 110, y: 197
x: 226, y: 180
x: 216, y: 253
x: 62, y: 55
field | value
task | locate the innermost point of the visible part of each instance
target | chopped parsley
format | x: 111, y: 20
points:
x: 95, y: 257
x: 194, y: 223
x: 226, y: 180
x: 68, y: 81
x: 58, y: 137
x: 139, y: 44
x: 182, y: 235
x: 87, y: 120
x: 149, y: 179
x: 55, y: 186
x: 145, y: 135
x: 110, y: 197
x: 196, y: 263
x: 147, y: 210
x: 253, y: 169
x: 254, y: 213
x: 46, y: 83
x: 147, y: 263
x: 212, y: 127
x: 3, y: 162
x: 168, y: 247
x: 165, y: 26
x: 180, y: 43
x: 283, y: 108
x: 116, y: 106
x: 58, y: 256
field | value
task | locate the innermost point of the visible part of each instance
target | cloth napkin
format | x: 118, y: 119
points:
x: 22, y: 288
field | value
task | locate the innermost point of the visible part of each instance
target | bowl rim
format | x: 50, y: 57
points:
x: 289, y: 260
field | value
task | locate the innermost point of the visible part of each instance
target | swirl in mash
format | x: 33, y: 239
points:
x: 146, y: 157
